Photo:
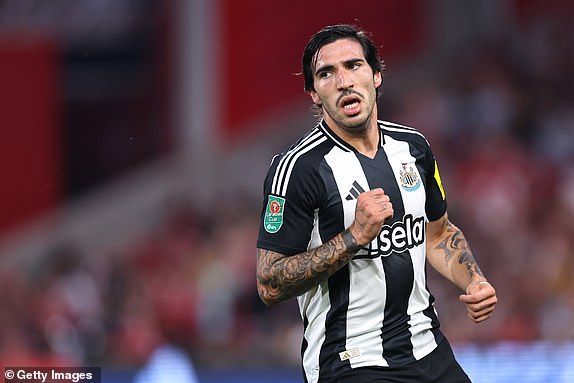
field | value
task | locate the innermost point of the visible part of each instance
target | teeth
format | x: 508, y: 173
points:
x: 351, y: 105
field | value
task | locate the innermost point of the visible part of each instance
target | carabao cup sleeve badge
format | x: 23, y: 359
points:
x: 274, y: 214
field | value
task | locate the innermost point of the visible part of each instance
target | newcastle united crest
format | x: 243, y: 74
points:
x: 410, y: 180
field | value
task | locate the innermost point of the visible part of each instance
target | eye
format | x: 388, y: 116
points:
x: 324, y: 74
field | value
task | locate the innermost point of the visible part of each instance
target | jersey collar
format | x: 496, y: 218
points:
x: 342, y: 143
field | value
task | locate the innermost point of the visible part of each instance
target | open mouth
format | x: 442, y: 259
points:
x: 351, y: 104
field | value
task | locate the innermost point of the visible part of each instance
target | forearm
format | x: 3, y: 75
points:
x: 450, y: 254
x: 281, y: 277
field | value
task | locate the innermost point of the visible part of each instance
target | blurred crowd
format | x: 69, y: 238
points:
x: 500, y: 119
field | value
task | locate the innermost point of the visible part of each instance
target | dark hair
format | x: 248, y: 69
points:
x: 331, y: 34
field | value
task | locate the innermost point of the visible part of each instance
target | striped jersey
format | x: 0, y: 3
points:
x: 377, y: 309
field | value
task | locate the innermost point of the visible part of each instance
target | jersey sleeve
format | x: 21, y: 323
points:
x: 289, y: 203
x: 436, y: 205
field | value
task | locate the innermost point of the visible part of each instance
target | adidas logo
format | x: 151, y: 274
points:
x: 355, y: 191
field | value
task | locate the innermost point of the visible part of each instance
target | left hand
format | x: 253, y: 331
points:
x: 480, y: 299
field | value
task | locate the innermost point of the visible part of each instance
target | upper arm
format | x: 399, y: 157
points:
x: 437, y: 231
x: 287, y: 214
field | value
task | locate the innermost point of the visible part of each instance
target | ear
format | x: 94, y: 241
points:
x: 378, y: 79
x: 315, y: 98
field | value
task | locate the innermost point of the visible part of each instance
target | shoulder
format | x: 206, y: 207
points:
x: 306, y: 149
x: 403, y: 133
x: 299, y: 161
x: 393, y: 129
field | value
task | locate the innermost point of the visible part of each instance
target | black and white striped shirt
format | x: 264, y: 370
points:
x: 376, y: 310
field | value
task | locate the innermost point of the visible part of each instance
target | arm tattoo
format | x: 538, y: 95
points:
x: 454, y: 244
x: 281, y: 277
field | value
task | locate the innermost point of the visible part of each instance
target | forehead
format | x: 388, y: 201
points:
x: 339, y: 51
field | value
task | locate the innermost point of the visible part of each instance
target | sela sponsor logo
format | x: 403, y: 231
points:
x: 401, y: 236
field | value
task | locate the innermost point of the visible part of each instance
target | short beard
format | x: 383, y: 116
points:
x: 359, y: 128
x: 319, y: 113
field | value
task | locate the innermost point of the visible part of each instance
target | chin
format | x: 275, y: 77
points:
x: 356, y: 122
x: 356, y: 128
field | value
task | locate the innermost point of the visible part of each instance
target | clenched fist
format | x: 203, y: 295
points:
x: 480, y: 299
x: 373, y: 208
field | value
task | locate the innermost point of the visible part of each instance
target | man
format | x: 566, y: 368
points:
x: 351, y: 211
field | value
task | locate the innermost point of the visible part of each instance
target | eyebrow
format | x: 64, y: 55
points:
x: 324, y: 68
x: 346, y: 63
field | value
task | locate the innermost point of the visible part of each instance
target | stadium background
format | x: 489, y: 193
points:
x: 134, y: 136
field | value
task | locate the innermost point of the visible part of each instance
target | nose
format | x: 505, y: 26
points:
x: 344, y: 81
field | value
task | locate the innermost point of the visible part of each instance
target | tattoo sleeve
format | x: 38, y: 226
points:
x: 280, y: 277
x: 457, y: 255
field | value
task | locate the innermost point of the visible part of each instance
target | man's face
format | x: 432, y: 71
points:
x: 344, y: 85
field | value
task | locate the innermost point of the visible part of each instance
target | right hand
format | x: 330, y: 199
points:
x: 373, y: 208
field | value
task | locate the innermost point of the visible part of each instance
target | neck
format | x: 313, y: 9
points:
x: 365, y: 138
